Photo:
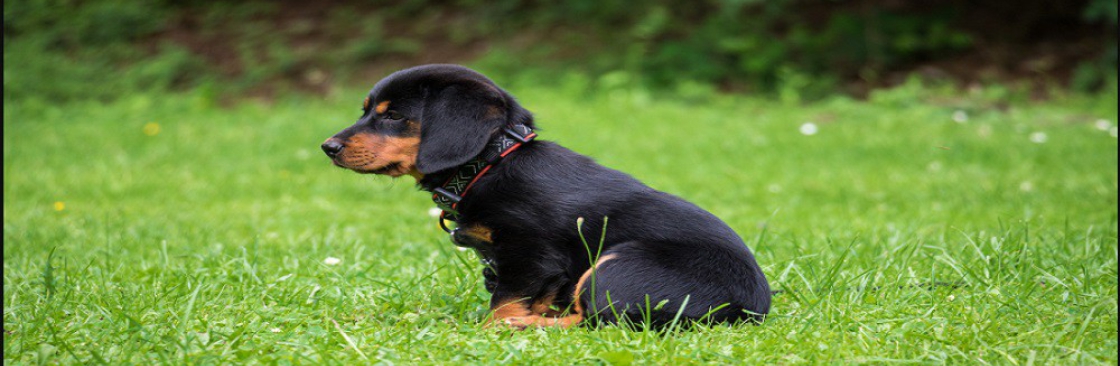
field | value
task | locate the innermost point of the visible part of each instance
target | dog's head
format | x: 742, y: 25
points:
x: 424, y: 120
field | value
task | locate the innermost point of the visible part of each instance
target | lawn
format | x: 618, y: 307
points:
x: 165, y: 229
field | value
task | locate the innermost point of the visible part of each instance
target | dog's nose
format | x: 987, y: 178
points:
x: 332, y: 147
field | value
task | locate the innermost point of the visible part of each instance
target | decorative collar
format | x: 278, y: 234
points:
x: 448, y: 195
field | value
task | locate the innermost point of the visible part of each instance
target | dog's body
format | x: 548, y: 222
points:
x: 661, y: 257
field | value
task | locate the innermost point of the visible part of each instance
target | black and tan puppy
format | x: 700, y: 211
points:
x: 518, y: 201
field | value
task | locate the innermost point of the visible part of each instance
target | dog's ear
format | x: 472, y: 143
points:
x: 456, y: 124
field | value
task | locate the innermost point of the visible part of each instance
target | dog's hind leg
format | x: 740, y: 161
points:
x: 657, y: 283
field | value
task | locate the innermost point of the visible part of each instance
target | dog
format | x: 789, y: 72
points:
x: 566, y: 240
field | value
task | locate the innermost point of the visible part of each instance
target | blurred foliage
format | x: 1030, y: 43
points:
x: 806, y: 48
x: 1090, y: 73
x: 66, y: 49
x: 792, y: 49
x: 765, y: 44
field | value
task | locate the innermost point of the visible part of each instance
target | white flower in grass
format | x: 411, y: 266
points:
x: 275, y: 330
x: 960, y: 116
x: 1026, y: 186
x: 808, y: 129
x: 1103, y: 124
x: 330, y: 261
x: 434, y: 212
x: 1039, y: 137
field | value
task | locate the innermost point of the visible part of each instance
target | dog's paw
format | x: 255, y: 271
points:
x: 517, y: 322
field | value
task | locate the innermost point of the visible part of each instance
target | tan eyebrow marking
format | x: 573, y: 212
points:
x: 382, y: 107
x: 365, y: 104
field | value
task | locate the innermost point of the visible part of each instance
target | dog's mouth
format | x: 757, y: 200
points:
x: 387, y: 169
x: 391, y: 169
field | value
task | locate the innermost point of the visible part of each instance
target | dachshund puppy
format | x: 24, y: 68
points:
x: 566, y: 240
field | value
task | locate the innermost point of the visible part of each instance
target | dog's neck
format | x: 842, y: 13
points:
x: 518, y: 117
x: 450, y: 186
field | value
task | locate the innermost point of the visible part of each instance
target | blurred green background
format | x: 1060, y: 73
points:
x: 802, y: 50
x: 165, y: 201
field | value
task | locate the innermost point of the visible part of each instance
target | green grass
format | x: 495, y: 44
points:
x: 205, y: 243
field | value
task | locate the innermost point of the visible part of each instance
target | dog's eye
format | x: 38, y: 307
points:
x: 393, y: 115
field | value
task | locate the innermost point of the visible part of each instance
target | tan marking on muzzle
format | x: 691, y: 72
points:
x: 368, y: 153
